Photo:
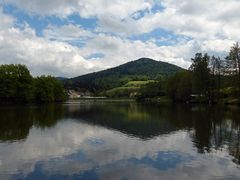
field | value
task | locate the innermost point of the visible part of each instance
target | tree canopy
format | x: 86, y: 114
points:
x: 17, y: 85
x: 208, y: 79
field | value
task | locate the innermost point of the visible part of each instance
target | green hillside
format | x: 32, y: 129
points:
x: 131, y: 89
x: 139, y: 70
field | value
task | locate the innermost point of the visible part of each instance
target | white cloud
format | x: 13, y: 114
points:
x: 212, y: 26
x: 194, y: 18
x: 94, y: 8
x: 68, y: 32
x: 41, y: 55
x: 5, y: 21
x: 45, y: 7
x: 44, y: 56
x: 118, y: 50
x: 212, y: 19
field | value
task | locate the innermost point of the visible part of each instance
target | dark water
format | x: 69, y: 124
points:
x: 119, y: 141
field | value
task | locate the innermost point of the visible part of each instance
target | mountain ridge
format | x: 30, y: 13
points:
x: 140, y: 69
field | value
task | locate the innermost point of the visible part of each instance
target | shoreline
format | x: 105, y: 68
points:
x: 158, y: 100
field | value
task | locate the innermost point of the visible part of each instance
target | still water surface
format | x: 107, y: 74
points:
x: 103, y: 140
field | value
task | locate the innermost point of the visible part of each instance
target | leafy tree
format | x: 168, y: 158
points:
x: 201, y: 74
x: 48, y: 89
x: 152, y: 89
x: 233, y: 63
x: 179, y: 87
x: 15, y: 83
x: 217, y: 71
x: 24, y: 89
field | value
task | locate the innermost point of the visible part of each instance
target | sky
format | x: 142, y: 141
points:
x: 74, y: 37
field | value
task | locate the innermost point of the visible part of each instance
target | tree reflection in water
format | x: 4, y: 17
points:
x: 211, y: 128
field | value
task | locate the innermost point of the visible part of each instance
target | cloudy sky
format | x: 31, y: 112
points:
x: 74, y: 37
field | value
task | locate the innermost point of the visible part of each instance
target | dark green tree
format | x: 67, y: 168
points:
x: 15, y: 83
x: 233, y: 64
x: 48, y: 89
x: 152, y: 89
x: 179, y: 87
x: 217, y: 71
x: 201, y: 74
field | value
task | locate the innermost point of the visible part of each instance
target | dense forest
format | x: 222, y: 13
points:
x: 209, y: 79
x: 17, y: 85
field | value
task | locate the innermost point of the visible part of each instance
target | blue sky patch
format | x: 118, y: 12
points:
x: 96, y: 55
x: 157, y: 8
x: 39, y: 23
x: 89, y: 24
x: 161, y: 37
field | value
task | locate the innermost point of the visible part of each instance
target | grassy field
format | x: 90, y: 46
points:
x: 128, y: 90
x: 137, y: 83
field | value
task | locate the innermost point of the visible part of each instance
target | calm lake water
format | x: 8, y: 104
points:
x: 104, y: 140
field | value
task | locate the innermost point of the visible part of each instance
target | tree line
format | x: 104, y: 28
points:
x: 209, y: 79
x: 18, y: 85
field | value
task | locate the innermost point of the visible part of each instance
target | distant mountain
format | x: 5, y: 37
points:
x: 141, y: 69
x: 61, y: 78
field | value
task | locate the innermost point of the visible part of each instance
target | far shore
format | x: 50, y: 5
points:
x: 160, y: 100
x: 106, y: 99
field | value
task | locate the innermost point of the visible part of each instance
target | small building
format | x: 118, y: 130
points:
x: 72, y: 94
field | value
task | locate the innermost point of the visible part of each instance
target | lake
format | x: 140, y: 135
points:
x: 119, y: 140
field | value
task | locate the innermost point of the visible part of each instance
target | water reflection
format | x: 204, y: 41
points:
x: 213, y: 127
x: 16, y: 122
x: 119, y: 140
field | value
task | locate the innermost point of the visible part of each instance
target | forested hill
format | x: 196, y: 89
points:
x: 141, y: 69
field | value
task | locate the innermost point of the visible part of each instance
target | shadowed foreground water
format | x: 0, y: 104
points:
x: 97, y: 140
